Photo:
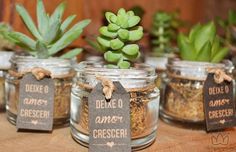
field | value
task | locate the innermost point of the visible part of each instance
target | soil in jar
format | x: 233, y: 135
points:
x: 184, y: 100
x: 139, y: 114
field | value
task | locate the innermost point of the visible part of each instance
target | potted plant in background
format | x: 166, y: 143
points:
x: 200, y: 51
x: 6, y: 53
x: 117, y: 40
x: 228, y: 26
x: 51, y: 36
x: 163, y: 40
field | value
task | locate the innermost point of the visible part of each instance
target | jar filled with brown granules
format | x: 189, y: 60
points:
x: 4, y: 66
x: 144, y: 104
x: 183, y: 100
x: 61, y: 74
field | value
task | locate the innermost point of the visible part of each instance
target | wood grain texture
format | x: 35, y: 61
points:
x: 169, y: 139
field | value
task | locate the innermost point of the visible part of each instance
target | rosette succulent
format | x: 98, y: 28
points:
x: 202, y: 44
x: 118, y: 37
x: 51, y: 35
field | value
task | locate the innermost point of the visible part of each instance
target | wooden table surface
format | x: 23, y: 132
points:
x: 169, y: 139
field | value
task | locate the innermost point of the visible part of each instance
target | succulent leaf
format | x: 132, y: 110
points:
x: 123, y: 64
x: 131, y: 49
x: 116, y: 44
x: 113, y: 27
x: 123, y: 34
x: 28, y: 21
x: 43, y: 20
x: 205, y: 53
x: 112, y: 57
x: 205, y: 33
x: 187, y: 51
x: 72, y: 53
x: 104, y: 31
x: 42, y: 51
x: 67, y: 22
x: 22, y: 38
x: 136, y: 35
x: 58, y: 13
x: 68, y: 37
x: 219, y: 56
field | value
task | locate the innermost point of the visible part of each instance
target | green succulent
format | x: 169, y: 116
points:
x: 5, y: 43
x: 229, y: 27
x: 202, y: 44
x: 118, y: 37
x: 52, y: 34
x: 164, y: 31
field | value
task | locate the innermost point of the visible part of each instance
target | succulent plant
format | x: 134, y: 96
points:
x: 229, y: 27
x: 52, y: 34
x: 118, y: 37
x: 5, y: 44
x: 202, y: 44
x: 164, y: 31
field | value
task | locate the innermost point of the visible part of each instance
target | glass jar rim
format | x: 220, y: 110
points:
x: 194, y: 64
x: 139, y: 70
x: 56, y: 66
x: 194, y: 69
x: 21, y: 59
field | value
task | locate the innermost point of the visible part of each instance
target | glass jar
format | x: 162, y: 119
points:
x: 144, y: 105
x: 183, y: 101
x: 4, y: 66
x: 60, y: 71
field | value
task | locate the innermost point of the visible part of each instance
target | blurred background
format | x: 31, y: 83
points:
x: 191, y: 11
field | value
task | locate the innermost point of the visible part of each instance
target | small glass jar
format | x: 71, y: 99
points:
x: 60, y: 71
x: 144, y: 105
x: 183, y: 100
x: 4, y: 66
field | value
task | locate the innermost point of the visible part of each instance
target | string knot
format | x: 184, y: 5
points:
x: 220, y: 75
x: 108, y: 86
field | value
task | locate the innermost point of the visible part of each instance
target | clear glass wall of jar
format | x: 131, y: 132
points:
x: 4, y: 66
x: 59, y: 68
x: 144, y: 104
x: 183, y: 100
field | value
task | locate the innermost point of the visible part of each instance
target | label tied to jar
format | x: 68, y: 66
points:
x: 36, y: 100
x: 109, y: 121
x: 219, y: 104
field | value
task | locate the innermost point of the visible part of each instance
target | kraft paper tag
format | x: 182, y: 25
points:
x: 219, y: 104
x: 109, y: 121
x: 36, y: 101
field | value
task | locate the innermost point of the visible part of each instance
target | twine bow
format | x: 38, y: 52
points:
x: 220, y: 75
x: 38, y: 72
x: 108, y: 86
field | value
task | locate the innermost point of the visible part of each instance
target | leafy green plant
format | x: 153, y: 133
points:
x: 229, y: 27
x: 164, y: 31
x: 5, y: 44
x: 117, y: 39
x: 52, y: 34
x: 202, y: 44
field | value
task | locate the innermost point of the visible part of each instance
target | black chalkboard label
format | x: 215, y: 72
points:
x: 109, y: 121
x: 219, y: 104
x: 36, y: 100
